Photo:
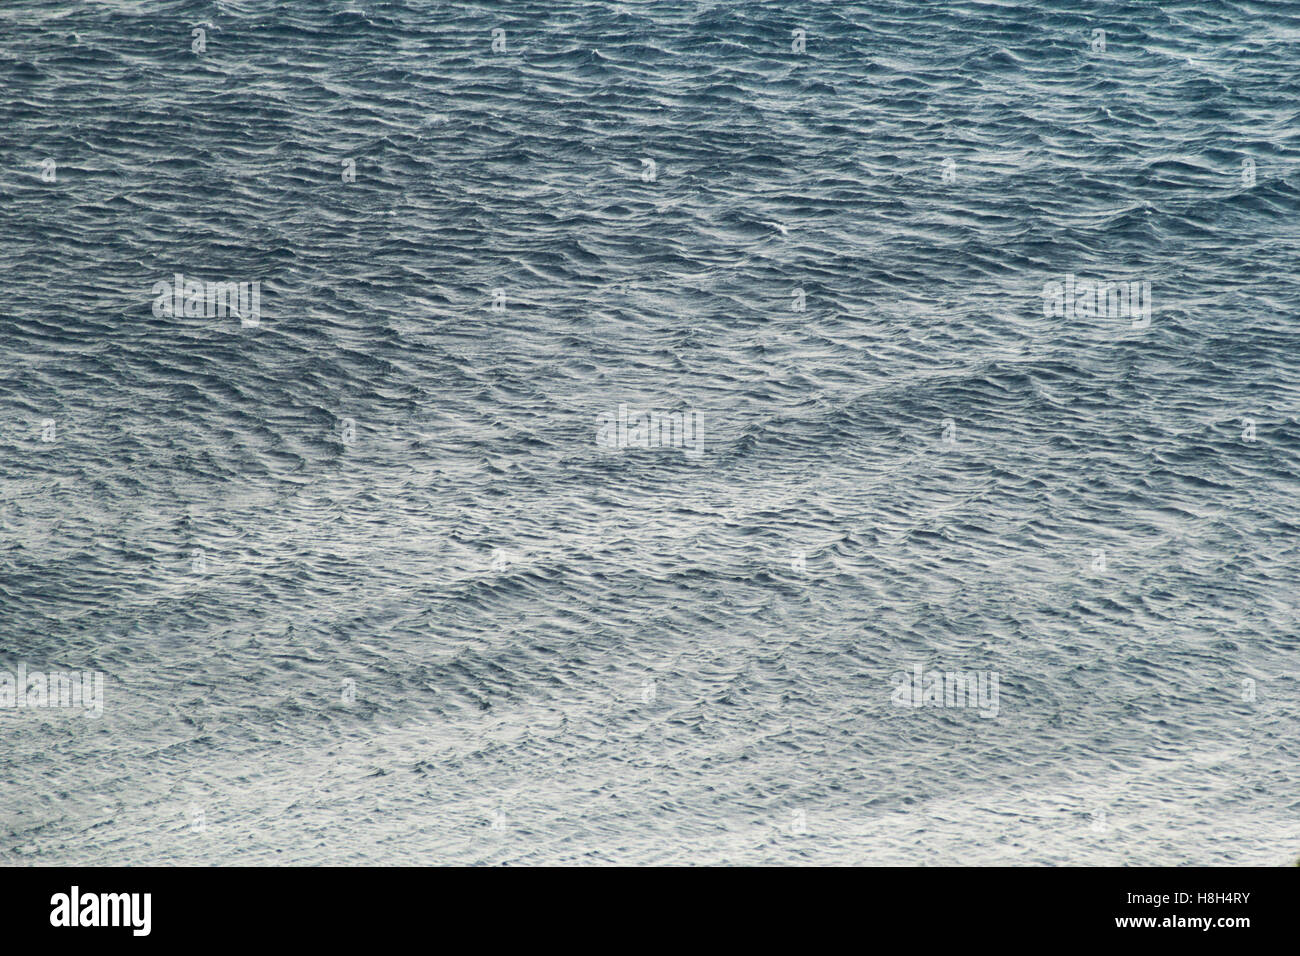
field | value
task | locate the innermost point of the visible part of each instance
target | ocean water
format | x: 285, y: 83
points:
x: 380, y: 578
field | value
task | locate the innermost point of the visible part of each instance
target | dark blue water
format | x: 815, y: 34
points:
x: 365, y: 586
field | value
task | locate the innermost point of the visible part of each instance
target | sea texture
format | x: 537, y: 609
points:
x: 381, y: 574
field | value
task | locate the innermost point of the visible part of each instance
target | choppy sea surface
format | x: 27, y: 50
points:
x: 364, y: 586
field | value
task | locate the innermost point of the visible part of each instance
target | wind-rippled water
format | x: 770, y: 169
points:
x: 366, y: 589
